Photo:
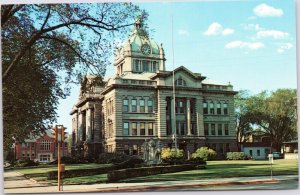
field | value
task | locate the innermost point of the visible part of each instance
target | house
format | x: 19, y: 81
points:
x: 256, y: 150
x: 290, y: 149
x: 137, y: 104
x: 41, y: 148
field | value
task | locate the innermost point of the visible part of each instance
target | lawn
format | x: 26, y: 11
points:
x: 214, y: 169
x: 225, y: 169
x: 39, y: 173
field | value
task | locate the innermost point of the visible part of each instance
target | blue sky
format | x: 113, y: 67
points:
x: 251, y: 44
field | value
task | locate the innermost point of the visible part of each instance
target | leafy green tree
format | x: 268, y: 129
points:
x: 47, y: 47
x: 276, y: 114
x: 204, y: 153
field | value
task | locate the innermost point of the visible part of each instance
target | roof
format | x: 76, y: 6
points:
x: 181, y: 68
x: 256, y: 144
x: 208, y: 81
x: 137, y: 76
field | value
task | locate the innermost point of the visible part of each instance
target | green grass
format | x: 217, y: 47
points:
x: 39, y: 173
x: 225, y: 169
x: 214, y: 169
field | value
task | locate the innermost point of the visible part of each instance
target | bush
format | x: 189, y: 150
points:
x: 131, y: 163
x: 236, y: 156
x: 26, y: 162
x: 114, y: 158
x: 204, y: 153
x: 171, y: 156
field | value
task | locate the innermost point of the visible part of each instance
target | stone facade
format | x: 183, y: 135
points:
x: 137, y: 104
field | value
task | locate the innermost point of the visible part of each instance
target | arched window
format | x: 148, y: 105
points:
x: 180, y: 82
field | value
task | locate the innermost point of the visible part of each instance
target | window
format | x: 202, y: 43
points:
x: 182, y: 128
x: 110, y: 129
x: 211, y: 108
x: 179, y: 107
x: 150, y: 128
x: 45, y: 157
x: 220, y: 129
x: 126, y: 149
x: 125, y: 105
x: 133, y: 105
x: 125, y: 128
x: 136, y: 65
x: 133, y: 129
x: 250, y: 152
x: 150, y: 105
x: 218, y: 108
x: 133, y: 81
x: 205, y: 109
x: 45, y: 145
x: 193, y: 128
x: 225, y: 107
x: 145, y: 66
x: 213, y: 129
x: 124, y: 81
x: 226, y: 127
x: 258, y: 152
x: 134, y: 150
x: 142, y: 128
x: 154, y: 66
x: 205, y: 128
x: 180, y: 82
x: 142, y: 105
x: 142, y: 82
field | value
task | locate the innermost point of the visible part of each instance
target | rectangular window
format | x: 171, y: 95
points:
x: 182, y: 128
x: 133, y: 105
x: 205, y: 109
x: 226, y: 128
x: 150, y: 106
x: 220, y: 129
x: 142, y: 105
x: 211, y: 108
x: 145, y: 66
x: 126, y: 149
x: 134, y: 150
x: 136, y: 65
x: 193, y: 128
x: 179, y: 107
x: 205, y: 128
x: 250, y: 152
x: 125, y: 105
x: 213, y: 129
x: 219, y: 108
x: 142, y: 82
x: 142, y: 128
x: 150, y: 128
x: 133, y: 129
x: 125, y: 128
x: 258, y: 152
x: 225, y: 108
x: 154, y: 66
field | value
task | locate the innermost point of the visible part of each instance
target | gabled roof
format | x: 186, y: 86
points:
x: 166, y: 74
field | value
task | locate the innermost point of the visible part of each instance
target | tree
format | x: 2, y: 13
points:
x: 243, y: 118
x: 204, y: 153
x: 276, y: 114
x: 54, y: 45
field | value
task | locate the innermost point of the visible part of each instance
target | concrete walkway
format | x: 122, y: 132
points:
x: 16, y: 183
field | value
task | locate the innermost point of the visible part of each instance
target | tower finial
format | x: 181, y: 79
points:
x: 138, y: 22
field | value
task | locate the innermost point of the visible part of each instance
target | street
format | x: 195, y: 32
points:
x: 15, y: 182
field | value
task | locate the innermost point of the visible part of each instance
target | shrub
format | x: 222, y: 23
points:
x: 115, y: 158
x: 236, y: 156
x: 204, y: 153
x: 171, y: 156
x: 26, y: 162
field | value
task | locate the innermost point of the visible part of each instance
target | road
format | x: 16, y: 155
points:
x: 15, y: 182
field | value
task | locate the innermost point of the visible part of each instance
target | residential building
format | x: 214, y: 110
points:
x: 137, y: 104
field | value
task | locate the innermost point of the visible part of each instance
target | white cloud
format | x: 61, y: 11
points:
x: 217, y: 29
x: 241, y: 45
x: 272, y: 33
x: 284, y: 47
x: 227, y: 31
x: 264, y: 10
x: 255, y: 27
x: 183, y: 32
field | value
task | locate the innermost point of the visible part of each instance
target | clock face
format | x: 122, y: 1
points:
x: 146, y: 50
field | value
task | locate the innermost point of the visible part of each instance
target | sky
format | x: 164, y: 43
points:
x: 251, y: 44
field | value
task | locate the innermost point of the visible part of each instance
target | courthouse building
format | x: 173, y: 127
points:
x: 137, y: 104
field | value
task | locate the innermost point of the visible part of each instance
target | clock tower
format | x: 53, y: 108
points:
x: 139, y: 54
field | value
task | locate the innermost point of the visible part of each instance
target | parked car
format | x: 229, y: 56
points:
x: 277, y: 155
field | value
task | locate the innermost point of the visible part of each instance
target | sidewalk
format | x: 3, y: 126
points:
x: 29, y: 186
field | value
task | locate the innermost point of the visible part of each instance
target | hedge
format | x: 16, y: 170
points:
x: 236, y: 156
x: 117, y: 175
x: 87, y: 172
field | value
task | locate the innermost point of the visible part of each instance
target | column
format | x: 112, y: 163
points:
x: 173, y: 116
x: 88, y: 125
x: 79, y: 130
x: 188, y: 116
